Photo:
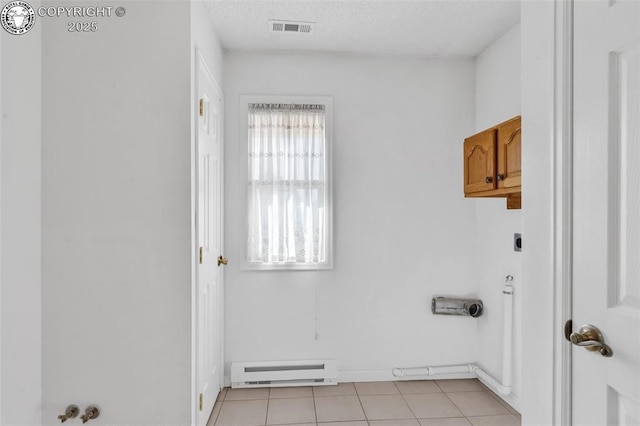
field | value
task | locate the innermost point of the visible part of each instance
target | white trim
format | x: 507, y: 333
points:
x: 1, y: 145
x: 353, y: 376
x: 346, y: 376
x: 447, y: 370
x: 327, y: 101
x: 357, y: 376
x: 563, y: 226
x: 539, y: 39
x: 194, y: 235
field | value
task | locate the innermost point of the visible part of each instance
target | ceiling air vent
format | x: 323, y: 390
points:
x: 291, y: 27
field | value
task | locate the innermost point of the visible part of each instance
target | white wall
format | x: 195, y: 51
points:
x: 498, y: 85
x: 403, y: 230
x: 20, y: 274
x: 117, y: 217
x: 498, y: 80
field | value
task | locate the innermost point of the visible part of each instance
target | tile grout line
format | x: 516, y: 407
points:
x: 266, y: 415
x: 455, y: 405
x: 224, y: 397
x: 315, y: 410
x: 484, y: 390
x: 502, y: 402
x: 384, y: 394
x: 409, y: 406
x: 366, y: 418
x: 215, y: 420
x: 415, y: 417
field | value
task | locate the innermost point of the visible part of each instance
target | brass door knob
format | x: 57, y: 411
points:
x: 590, y: 338
x: 92, y: 412
x: 222, y: 260
x: 70, y: 413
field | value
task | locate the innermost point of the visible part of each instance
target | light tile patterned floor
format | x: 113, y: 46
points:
x: 406, y: 403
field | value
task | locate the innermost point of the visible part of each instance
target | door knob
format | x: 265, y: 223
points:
x: 590, y: 338
x: 70, y: 413
x: 222, y: 260
x: 90, y: 413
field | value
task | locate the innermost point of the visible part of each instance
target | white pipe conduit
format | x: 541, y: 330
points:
x: 503, y: 388
x: 507, y: 333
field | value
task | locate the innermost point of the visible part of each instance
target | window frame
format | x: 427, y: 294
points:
x: 327, y: 101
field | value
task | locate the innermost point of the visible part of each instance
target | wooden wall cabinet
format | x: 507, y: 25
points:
x: 492, y: 163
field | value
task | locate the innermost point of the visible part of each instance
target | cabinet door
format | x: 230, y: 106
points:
x: 509, y: 148
x: 480, y: 162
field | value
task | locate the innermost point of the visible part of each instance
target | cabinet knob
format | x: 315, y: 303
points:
x: 500, y: 177
x: 488, y: 179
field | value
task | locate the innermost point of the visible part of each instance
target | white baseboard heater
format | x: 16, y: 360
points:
x: 284, y: 373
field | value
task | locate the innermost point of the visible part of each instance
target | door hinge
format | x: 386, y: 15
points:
x: 201, y: 107
x: 200, y: 255
x: 201, y: 401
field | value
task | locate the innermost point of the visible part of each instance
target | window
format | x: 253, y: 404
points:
x: 288, y: 187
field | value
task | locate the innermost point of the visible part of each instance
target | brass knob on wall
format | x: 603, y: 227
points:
x: 71, y: 412
x: 90, y: 413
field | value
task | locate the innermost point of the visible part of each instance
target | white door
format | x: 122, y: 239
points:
x: 209, y: 246
x: 606, y: 270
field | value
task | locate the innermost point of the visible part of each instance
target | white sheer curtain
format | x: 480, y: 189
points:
x: 287, y: 185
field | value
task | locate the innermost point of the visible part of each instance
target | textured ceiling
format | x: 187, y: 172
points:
x: 430, y: 28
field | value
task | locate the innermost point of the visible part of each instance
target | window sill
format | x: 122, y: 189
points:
x: 256, y: 266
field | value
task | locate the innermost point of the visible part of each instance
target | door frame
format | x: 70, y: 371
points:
x: 199, y: 60
x: 563, y: 210
x: 1, y: 213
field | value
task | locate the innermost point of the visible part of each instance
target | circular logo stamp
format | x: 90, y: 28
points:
x: 17, y: 17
